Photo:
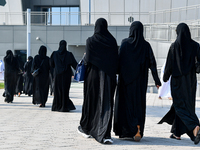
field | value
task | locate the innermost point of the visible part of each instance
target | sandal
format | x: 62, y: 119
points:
x: 197, y: 138
x: 175, y: 137
x: 137, y: 137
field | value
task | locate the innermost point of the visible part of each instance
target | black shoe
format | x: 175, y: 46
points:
x: 80, y: 131
x: 4, y: 94
x: 175, y: 137
x: 42, y: 105
x: 197, y: 138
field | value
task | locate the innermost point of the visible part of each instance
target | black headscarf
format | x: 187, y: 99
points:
x: 42, y: 55
x: 133, y: 52
x: 11, y: 63
x: 42, y: 52
x: 184, y: 51
x: 30, y: 58
x: 9, y: 57
x: 62, y: 58
x: 62, y: 47
x: 101, y: 49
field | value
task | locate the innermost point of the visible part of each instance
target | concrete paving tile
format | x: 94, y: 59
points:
x: 25, y: 126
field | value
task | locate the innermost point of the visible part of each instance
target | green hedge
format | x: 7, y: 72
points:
x: 1, y: 85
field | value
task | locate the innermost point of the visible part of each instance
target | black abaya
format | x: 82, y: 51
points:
x: 181, y: 66
x: 99, y: 84
x: 97, y: 108
x: 20, y: 80
x: 62, y: 61
x: 10, y: 75
x: 41, y: 81
x: 135, y: 59
x: 28, y: 78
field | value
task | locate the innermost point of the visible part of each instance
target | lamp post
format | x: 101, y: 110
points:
x: 28, y: 32
x: 89, y: 12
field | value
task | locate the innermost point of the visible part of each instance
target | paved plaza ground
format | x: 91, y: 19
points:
x: 24, y: 126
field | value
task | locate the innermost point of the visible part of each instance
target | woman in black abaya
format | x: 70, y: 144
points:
x: 180, y: 65
x: 28, y: 78
x: 41, y: 81
x: 135, y: 59
x: 10, y: 76
x: 99, y: 84
x: 20, y: 79
x: 62, y: 61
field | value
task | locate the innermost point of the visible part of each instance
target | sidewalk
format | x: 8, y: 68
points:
x: 24, y: 126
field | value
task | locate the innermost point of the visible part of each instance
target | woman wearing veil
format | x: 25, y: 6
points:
x: 99, y: 84
x: 62, y: 61
x: 180, y: 65
x: 10, y: 76
x: 41, y: 81
x: 28, y: 78
x: 20, y: 80
x: 135, y: 59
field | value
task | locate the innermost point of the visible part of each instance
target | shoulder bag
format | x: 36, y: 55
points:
x: 37, y: 71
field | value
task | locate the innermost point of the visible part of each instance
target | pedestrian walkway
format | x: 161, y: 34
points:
x: 24, y: 126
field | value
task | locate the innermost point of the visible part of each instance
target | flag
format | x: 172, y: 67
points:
x: 2, y: 2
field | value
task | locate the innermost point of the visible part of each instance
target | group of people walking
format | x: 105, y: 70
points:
x: 132, y: 62
x: 124, y: 97
x: 14, y: 80
x: 60, y: 62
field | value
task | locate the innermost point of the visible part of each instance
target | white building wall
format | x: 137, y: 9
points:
x: 117, y: 12
x: 11, y: 13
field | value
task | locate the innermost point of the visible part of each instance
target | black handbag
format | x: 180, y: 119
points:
x: 37, y: 71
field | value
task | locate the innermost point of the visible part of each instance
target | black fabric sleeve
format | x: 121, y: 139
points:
x: 51, y: 61
x: 25, y: 66
x: 168, y: 66
x: 198, y: 54
x: 74, y: 62
x: 153, y: 67
x: 33, y: 65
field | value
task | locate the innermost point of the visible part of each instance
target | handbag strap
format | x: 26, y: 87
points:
x: 41, y: 62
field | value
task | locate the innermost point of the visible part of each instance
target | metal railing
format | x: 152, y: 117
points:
x: 167, y: 32
x: 187, y: 14
x: 72, y: 18
x: 175, y: 15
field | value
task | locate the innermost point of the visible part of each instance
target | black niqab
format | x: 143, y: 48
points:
x: 101, y: 49
x: 132, y: 53
x: 42, y: 52
x: 42, y: 55
x: 9, y: 57
x: 62, y: 57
